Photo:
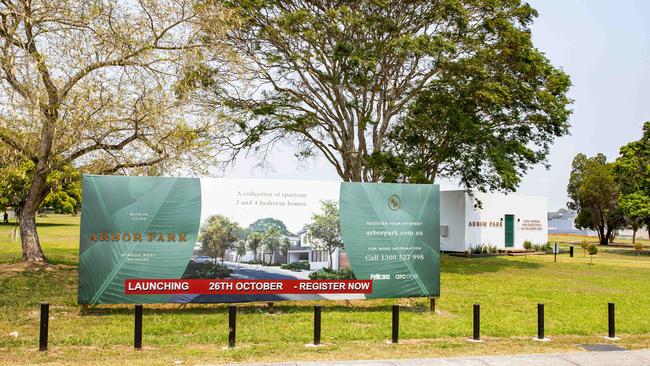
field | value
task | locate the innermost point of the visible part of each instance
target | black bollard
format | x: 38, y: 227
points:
x: 45, y: 318
x: 395, y: 323
x: 432, y: 304
x: 571, y: 251
x: 540, y: 321
x: 137, y: 334
x: 477, y: 322
x: 316, y: 325
x: 611, y: 320
x: 232, y: 325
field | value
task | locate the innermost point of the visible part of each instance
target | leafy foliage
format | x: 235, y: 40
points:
x: 344, y: 273
x: 262, y: 225
x: 253, y: 242
x: 296, y: 266
x: 632, y: 171
x: 271, y: 240
x: 206, y: 270
x: 218, y: 234
x: 594, y: 194
x: 324, y: 232
x: 335, y: 77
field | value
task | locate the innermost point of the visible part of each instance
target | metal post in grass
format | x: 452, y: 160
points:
x: 555, y: 250
x: 232, y: 325
x: 476, y: 337
x: 395, y: 337
x: 540, y: 321
x: 43, y: 334
x: 137, y: 329
x: 540, y: 324
x: 611, y: 322
x: 432, y: 304
x: 317, y: 310
x: 571, y: 251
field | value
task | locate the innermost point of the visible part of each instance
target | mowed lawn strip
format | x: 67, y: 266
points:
x: 575, y: 292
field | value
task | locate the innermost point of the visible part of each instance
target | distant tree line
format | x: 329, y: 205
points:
x: 613, y: 195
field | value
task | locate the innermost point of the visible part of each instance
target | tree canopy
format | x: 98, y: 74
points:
x: 81, y: 88
x: 594, y: 193
x: 219, y: 234
x: 632, y: 170
x: 324, y: 231
x: 336, y: 78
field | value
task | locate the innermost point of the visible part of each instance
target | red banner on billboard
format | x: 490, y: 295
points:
x: 245, y: 287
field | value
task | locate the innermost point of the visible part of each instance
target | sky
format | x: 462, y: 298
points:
x: 603, y: 45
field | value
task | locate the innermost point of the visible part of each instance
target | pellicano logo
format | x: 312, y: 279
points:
x: 379, y: 276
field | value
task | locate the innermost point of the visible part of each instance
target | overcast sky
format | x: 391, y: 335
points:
x: 605, y: 48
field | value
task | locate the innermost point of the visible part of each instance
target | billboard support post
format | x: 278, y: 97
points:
x: 232, y: 325
x: 317, y: 310
x: 43, y: 334
x: 137, y: 333
x: 432, y: 304
x: 395, y: 324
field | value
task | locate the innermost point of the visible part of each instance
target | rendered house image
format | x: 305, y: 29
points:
x: 300, y: 250
x: 501, y: 220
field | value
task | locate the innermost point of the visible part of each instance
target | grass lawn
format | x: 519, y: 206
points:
x: 575, y: 292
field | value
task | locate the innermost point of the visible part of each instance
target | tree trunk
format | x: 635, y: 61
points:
x: 634, y: 236
x: 331, y: 262
x: 31, y: 245
x: 604, y: 240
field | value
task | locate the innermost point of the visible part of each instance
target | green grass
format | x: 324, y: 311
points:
x: 575, y: 292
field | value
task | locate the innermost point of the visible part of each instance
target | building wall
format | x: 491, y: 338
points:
x: 452, y: 220
x: 486, y: 225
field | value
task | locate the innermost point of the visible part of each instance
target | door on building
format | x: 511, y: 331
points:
x: 510, y: 231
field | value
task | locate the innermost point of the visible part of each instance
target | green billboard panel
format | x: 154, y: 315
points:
x: 205, y: 240
x: 392, y: 236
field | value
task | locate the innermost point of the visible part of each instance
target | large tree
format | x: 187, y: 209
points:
x: 253, y: 242
x: 636, y: 208
x: 324, y: 231
x: 594, y: 194
x: 334, y: 77
x: 219, y: 234
x: 271, y: 240
x: 88, y: 83
x: 632, y: 171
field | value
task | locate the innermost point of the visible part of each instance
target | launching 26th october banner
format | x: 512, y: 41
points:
x: 203, y: 240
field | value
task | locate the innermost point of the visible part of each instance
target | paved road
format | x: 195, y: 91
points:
x: 612, y: 358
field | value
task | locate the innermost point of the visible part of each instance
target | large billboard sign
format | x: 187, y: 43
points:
x: 206, y: 240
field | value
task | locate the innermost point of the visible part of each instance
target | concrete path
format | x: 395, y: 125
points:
x: 611, y: 358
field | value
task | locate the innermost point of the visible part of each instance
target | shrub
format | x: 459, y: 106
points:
x: 483, y: 249
x: 344, y: 273
x: 297, y: 266
x: 206, y: 271
x: 528, y: 245
x: 584, y: 245
x: 542, y: 247
x: 592, y: 250
x: 256, y: 261
x: 638, y: 247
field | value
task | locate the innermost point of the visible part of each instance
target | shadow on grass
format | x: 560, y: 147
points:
x: 626, y: 252
x: 462, y: 265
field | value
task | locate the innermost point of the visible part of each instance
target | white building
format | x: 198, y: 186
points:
x: 505, y: 221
